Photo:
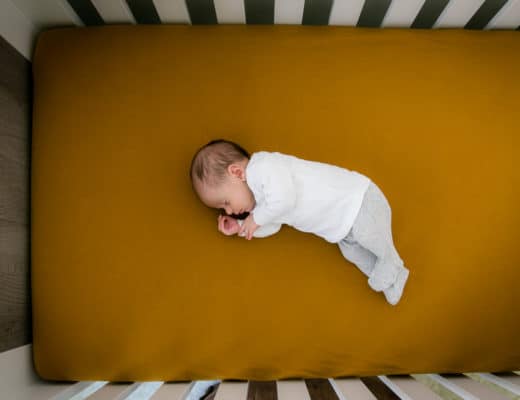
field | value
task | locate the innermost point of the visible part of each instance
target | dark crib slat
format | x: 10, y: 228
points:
x: 262, y: 390
x: 321, y: 389
x: 378, y: 388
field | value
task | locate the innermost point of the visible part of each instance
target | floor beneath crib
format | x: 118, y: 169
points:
x: 15, y: 110
x: 322, y: 389
x: 318, y: 389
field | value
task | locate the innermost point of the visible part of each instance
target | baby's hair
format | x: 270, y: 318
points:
x: 210, y: 162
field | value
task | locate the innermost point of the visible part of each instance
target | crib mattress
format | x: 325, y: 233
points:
x: 131, y: 279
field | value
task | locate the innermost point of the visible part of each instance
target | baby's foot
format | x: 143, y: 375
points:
x: 394, y: 292
x: 383, y: 276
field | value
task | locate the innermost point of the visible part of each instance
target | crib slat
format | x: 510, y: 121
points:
x: 510, y: 384
x: 261, y: 390
x: 172, y: 391
x: 114, y: 12
x: 197, y: 389
x: 412, y: 388
x: 394, y: 387
x: 379, y: 388
x: 110, y: 391
x: 351, y: 388
x: 469, y: 386
x: 450, y: 386
x: 172, y: 11
x: 509, y: 376
x: 321, y: 389
x: 292, y: 389
x: 80, y: 390
x: 140, y: 391
x: 232, y: 391
x: 475, y: 388
x: 18, y: 380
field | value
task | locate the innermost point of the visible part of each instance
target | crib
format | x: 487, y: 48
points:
x: 31, y: 366
x: 20, y: 382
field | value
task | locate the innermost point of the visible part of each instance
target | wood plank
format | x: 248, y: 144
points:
x: 18, y: 379
x: 352, y: 388
x: 15, y: 72
x: 291, y: 389
x: 449, y: 386
x: 210, y: 393
x: 14, y: 176
x: 232, y: 391
x: 476, y: 389
x: 172, y: 12
x: 15, y: 312
x: 172, y: 391
x: 110, y: 391
x: 262, y: 390
x: 412, y: 388
x: 485, y: 14
x: 80, y: 390
x: 86, y: 11
x: 202, y: 389
x: 378, y: 388
x: 508, y: 383
x: 321, y: 389
x: 17, y: 28
x: 144, y: 11
x: 114, y: 12
x: 140, y: 391
x: 48, y: 13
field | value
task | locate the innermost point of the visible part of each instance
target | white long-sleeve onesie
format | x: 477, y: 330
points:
x: 310, y: 196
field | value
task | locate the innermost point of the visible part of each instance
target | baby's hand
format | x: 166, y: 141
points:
x: 228, y: 225
x: 248, y: 227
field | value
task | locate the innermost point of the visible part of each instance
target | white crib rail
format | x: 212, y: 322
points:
x: 18, y: 381
x: 468, y: 386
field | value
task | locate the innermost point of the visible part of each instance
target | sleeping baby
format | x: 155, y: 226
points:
x: 262, y: 191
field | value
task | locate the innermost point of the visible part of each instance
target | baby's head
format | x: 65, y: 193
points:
x: 218, y: 177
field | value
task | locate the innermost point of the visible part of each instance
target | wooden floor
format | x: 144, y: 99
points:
x: 15, y: 110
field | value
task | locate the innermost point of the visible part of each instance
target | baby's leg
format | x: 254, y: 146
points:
x: 364, y: 259
x: 372, y: 230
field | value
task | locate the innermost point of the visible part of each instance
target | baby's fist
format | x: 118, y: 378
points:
x: 228, y: 225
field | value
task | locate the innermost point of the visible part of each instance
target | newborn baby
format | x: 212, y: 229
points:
x: 261, y: 192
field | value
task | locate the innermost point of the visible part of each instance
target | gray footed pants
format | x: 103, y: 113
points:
x: 369, y: 244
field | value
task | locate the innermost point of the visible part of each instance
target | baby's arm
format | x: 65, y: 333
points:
x: 279, y: 191
x: 263, y: 230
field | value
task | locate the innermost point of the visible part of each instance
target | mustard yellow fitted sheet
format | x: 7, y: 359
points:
x: 131, y: 279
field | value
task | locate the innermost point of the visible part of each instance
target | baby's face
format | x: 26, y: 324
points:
x: 233, y: 196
